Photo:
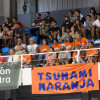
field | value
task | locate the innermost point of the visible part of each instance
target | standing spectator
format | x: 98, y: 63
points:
x: 13, y: 57
x: 20, y: 47
x: 83, y: 42
x: 19, y: 32
x: 36, y: 24
x: 64, y: 57
x: 79, y: 16
x: 88, y: 27
x: 71, y: 16
x: 44, y: 32
x: 2, y: 59
x: 61, y: 36
x: 91, y: 55
x: 54, y: 30
x: 32, y: 49
x: 56, y: 45
x: 26, y: 60
x: 69, y: 43
x: 93, y: 13
x: 51, y: 58
x: 96, y: 24
x: 48, y: 18
x: 7, y: 22
x: 43, y: 49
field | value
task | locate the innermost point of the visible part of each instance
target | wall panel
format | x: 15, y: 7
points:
x: 70, y: 4
x: 60, y: 4
x: 75, y: 4
x: 65, y: 4
x: 55, y: 5
x: 80, y: 3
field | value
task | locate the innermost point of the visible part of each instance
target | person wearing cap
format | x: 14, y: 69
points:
x: 69, y: 42
x: 32, y: 49
x: 64, y: 57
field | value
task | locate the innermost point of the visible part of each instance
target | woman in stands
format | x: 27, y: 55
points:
x: 7, y: 22
x: 51, y: 58
x: 8, y: 36
x: 56, y: 45
x: 69, y: 43
x: 62, y: 34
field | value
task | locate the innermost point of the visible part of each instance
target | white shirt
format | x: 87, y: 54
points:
x: 13, y: 58
x: 32, y: 48
x: 97, y: 23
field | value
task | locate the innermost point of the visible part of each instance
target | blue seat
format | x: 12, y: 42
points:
x: 5, y: 50
x: 90, y: 40
x: 51, y: 44
x: 88, y: 36
x: 39, y: 45
x: 35, y: 38
x: 60, y: 27
x: 36, y: 32
x: 7, y: 58
x: 27, y: 31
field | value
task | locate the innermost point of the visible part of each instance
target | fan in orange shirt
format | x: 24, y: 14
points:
x: 83, y: 42
x: 81, y: 55
x: 56, y: 45
x: 26, y: 59
x: 92, y: 55
x: 69, y: 43
x: 43, y: 48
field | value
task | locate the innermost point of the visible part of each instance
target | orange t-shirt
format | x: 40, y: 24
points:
x: 82, y: 55
x: 56, y: 47
x: 69, y: 45
x: 82, y: 42
x: 44, y: 48
x: 90, y: 52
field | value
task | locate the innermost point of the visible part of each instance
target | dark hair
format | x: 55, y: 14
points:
x: 71, y: 12
x: 1, y: 28
x: 77, y: 10
x: 12, y: 49
x: 66, y: 16
x: 88, y: 16
x: 39, y: 14
x: 15, y: 18
x: 90, y: 42
x: 8, y: 19
x: 8, y: 27
x: 19, y: 24
x: 92, y: 8
x: 70, y: 38
x: 56, y: 40
x: 98, y: 14
x: 54, y: 21
x: 52, y: 48
x: 46, y: 41
x: 48, y: 13
x: 0, y: 51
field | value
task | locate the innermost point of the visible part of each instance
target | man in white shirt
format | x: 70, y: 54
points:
x: 97, y: 25
x: 20, y: 47
x: 32, y: 48
x: 13, y: 57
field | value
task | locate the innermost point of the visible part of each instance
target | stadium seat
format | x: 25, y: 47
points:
x: 88, y: 36
x: 51, y: 44
x: 27, y: 31
x: 35, y: 38
x: 7, y: 58
x: 39, y: 45
x: 36, y: 32
x: 5, y: 50
x: 90, y: 40
x: 60, y: 27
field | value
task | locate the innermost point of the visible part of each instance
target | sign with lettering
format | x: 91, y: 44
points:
x: 9, y: 74
x: 65, y: 79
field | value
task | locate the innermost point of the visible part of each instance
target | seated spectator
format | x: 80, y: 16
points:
x: 54, y: 30
x: 82, y: 41
x: 69, y: 43
x: 93, y: 13
x: 96, y: 24
x: 19, y: 32
x: 43, y: 49
x: 8, y: 36
x: 2, y: 59
x: 13, y: 57
x: 56, y: 45
x: 32, y: 49
x: 64, y: 57
x: 61, y: 36
x: 71, y: 16
x: 78, y: 58
x: 91, y: 55
x: 44, y: 32
x: 88, y: 27
x: 51, y: 58
x: 48, y: 19
x: 36, y: 24
x: 72, y: 33
x: 26, y: 60
x: 79, y: 16
x: 20, y: 47
x: 7, y: 23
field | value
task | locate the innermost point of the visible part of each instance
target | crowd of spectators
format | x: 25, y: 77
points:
x: 71, y: 35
